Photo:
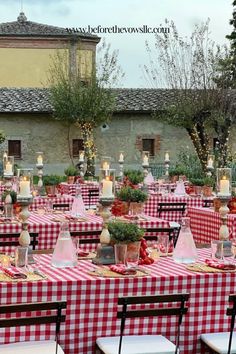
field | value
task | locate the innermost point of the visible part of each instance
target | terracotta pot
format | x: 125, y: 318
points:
x: 232, y: 205
x: 70, y: 179
x: 207, y: 191
x: 50, y: 190
x: 174, y: 179
x: 197, y: 190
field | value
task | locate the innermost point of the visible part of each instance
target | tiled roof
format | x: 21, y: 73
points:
x: 30, y: 100
x: 22, y: 27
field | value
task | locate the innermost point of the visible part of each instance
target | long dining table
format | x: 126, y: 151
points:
x: 48, y: 225
x: 92, y: 302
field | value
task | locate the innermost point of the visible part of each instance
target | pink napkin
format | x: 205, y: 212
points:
x: 121, y: 269
x: 149, y: 179
x: 216, y: 264
x: 14, y: 273
x: 82, y: 253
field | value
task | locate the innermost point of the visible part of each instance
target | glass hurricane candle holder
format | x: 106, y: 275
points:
x: 81, y: 156
x: 224, y: 182
x: 39, y: 160
x: 145, y: 158
x: 25, y: 182
x: 121, y: 157
x: 167, y: 156
x: 105, y: 163
x: 8, y: 166
x: 210, y: 161
x: 107, y: 183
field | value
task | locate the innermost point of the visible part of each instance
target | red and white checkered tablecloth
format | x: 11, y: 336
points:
x: 48, y: 227
x: 42, y: 202
x: 151, y: 205
x: 71, y: 190
x: 205, y: 224
x: 92, y: 303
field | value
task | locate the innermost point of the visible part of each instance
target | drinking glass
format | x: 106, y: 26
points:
x: 132, y: 254
x: 217, y: 251
x: 163, y: 243
x: 21, y: 256
x: 120, y: 253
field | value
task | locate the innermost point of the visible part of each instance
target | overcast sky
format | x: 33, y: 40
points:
x: 126, y: 13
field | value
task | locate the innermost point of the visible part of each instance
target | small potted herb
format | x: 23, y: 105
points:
x: 71, y: 171
x: 122, y: 232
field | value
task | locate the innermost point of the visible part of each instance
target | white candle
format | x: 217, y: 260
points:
x: 106, y: 166
x: 25, y: 188
x: 8, y: 170
x: 210, y: 163
x: 167, y: 156
x: 224, y: 186
x: 107, y: 188
x: 121, y: 158
x: 81, y: 157
x: 39, y: 160
x: 145, y: 160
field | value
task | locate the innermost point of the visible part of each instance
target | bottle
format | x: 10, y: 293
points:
x: 8, y: 207
x: 78, y: 207
x: 64, y: 254
x: 185, y: 250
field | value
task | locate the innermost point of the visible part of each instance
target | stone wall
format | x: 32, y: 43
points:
x: 40, y: 132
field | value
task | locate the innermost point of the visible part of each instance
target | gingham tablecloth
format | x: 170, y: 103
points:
x: 150, y: 207
x: 41, y: 202
x: 48, y: 227
x: 92, y: 303
x: 71, y: 190
x: 205, y: 224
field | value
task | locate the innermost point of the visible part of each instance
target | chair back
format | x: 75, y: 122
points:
x: 54, y: 316
x: 207, y: 203
x: 11, y: 239
x: 59, y: 206
x: 175, y: 209
x: 92, y: 193
x: 151, y: 233
x: 169, y: 307
x: 93, y: 236
x: 231, y: 311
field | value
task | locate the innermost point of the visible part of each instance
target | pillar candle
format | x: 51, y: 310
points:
x: 121, y: 158
x: 210, y: 163
x: 81, y: 157
x: 8, y: 170
x: 25, y: 188
x: 107, y: 189
x: 224, y: 186
x: 39, y: 160
x: 167, y: 156
x: 145, y: 160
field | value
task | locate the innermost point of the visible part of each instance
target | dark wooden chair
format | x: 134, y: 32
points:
x: 11, y: 239
x: 87, y: 240
x: 50, y: 312
x: 167, y: 207
x: 92, y: 193
x: 151, y: 234
x: 60, y: 206
x: 165, y: 305
x: 222, y: 342
x: 207, y: 203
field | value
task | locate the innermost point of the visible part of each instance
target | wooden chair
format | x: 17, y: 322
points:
x: 51, y: 312
x: 207, y: 203
x: 223, y: 342
x: 171, y: 207
x: 11, y: 239
x: 81, y: 234
x: 152, y: 233
x: 59, y: 206
x: 91, y: 194
x: 139, y: 344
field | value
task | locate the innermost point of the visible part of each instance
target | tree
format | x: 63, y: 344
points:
x: 84, y: 104
x: 189, y: 67
x: 230, y: 64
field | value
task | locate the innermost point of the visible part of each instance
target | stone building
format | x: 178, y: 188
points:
x: 26, y: 51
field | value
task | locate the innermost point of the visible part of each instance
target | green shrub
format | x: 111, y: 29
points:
x: 52, y: 180
x: 71, y: 171
x: 122, y: 232
x: 134, y: 176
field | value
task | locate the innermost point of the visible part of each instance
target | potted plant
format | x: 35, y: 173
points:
x: 175, y: 172
x: 197, y: 183
x: 124, y: 232
x: 208, y: 186
x: 71, y: 171
x: 50, y: 182
x: 137, y: 199
x: 133, y: 177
